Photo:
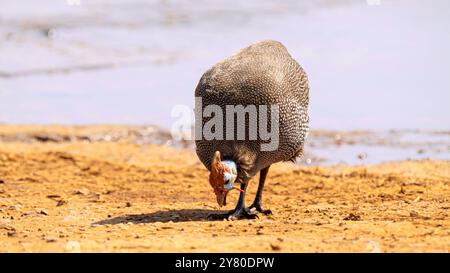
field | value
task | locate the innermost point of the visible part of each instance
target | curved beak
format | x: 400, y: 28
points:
x: 222, y: 198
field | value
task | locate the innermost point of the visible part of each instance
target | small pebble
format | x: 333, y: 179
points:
x: 275, y: 247
x: 73, y: 247
x: 61, y: 202
x: 51, y: 239
x: 43, y: 212
x: 82, y: 191
x: 414, y: 214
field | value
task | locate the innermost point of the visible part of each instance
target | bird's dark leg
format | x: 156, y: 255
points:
x: 257, y: 204
x: 239, y: 212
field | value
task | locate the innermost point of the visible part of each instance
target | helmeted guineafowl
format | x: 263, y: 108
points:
x: 261, y: 74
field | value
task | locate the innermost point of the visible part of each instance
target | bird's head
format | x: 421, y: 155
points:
x: 222, y: 177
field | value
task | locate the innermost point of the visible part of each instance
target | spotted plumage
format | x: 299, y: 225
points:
x: 261, y: 74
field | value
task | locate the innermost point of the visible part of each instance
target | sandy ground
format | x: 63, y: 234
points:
x: 100, y: 196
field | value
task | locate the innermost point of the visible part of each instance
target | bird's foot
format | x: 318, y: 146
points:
x: 258, y: 208
x: 233, y: 215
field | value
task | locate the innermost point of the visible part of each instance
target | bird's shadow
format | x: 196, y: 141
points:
x: 183, y: 215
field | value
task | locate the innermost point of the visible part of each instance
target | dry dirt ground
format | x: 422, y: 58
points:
x: 122, y: 197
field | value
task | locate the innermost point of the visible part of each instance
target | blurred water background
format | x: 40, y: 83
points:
x: 373, y: 64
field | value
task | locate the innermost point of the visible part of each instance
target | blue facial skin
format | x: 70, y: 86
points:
x: 229, y: 187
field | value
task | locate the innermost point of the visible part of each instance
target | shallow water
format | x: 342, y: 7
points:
x: 358, y: 148
x: 370, y: 66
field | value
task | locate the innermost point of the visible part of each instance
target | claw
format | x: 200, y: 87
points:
x: 242, y: 215
x: 233, y: 215
x: 256, y: 208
